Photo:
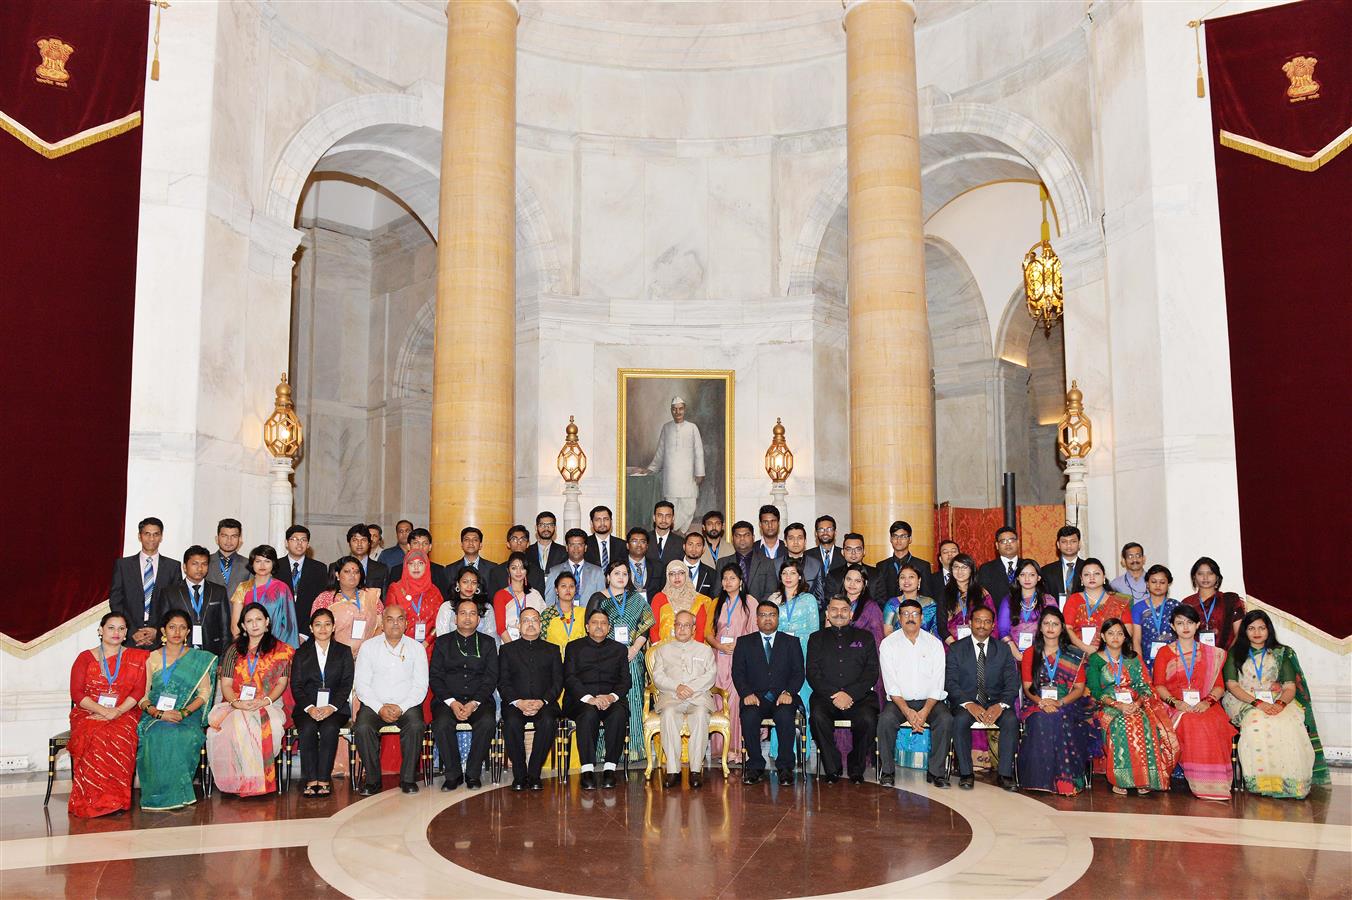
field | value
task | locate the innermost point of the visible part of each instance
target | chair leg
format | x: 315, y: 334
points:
x: 51, y: 770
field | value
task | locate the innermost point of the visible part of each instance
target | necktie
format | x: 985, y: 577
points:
x: 661, y: 546
x: 1070, y: 575
x: 767, y: 647
x: 148, y: 584
x: 639, y: 575
x: 981, y: 673
x: 605, y: 554
x: 577, y: 576
x: 295, y: 576
x: 826, y: 559
x: 945, y: 577
x: 1010, y: 573
x: 694, y: 575
x: 197, y: 600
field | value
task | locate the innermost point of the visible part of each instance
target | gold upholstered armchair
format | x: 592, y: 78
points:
x: 652, y: 723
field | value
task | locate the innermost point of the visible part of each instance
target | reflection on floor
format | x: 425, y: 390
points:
x: 724, y: 840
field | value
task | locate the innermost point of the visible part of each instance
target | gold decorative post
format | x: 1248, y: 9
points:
x: 572, y: 465
x: 474, y: 369
x: 779, y: 466
x: 284, y: 437
x: 1075, y: 438
x: 891, y: 392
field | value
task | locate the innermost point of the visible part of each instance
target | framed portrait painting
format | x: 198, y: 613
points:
x: 675, y: 443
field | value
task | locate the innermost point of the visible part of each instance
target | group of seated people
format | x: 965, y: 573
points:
x: 1059, y: 667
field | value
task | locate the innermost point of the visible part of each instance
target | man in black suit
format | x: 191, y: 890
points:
x: 664, y: 544
x: 1062, y: 578
x: 760, y: 575
x: 204, y: 601
x: 545, y: 553
x: 852, y: 548
x: 596, y: 690
x: 997, y: 575
x: 421, y: 539
x: 139, y: 584
x: 831, y: 559
x: 463, y: 674
x: 702, y: 576
x: 308, y: 577
x: 642, y: 574
x: 933, y: 586
x: 885, y: 583
x: 471, y: 540
x: 530, y: 677
x: 767, y: 671
x: 227, y: 567
x: 842, y: 669
x: 769, y: 545
x: 982, y: 681
x: 359, y: 544
x: 602, y: 546
x: 795, y: 541
x: 716, y: 550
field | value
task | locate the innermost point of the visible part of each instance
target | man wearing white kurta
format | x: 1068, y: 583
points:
x: 680, y: 460
x: 683, y: 673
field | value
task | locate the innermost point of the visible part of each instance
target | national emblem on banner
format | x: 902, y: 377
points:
x: 1301, y: 72
x: 52, y: 69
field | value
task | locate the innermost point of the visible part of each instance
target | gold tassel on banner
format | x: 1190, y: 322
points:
x: 160, y: 6
x: 1196, y: 26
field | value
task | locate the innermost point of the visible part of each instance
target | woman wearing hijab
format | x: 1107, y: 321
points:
x: 419, y: 597
x: 679, y: 595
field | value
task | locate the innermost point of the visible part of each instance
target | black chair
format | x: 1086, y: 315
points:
x: 800, y: 739
x: 567, y: 728
x: 424, y: 759
x: 497, y: 755
x: 55, y: 745
x: 846, y: 724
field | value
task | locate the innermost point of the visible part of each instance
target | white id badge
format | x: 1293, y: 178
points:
x: 1207, y: 637
x: 1264, y: 696
x: 166, y: 702
x: 358, y: 629
x: 1061, y: 601
x: 1122, y: 696
x: 321, y: 699
x: 964, y: 631
x: 727, y: 639
x: 1155, y: 648
x: 419, y: 632
x: 248, y: 692
x: 1192, y: 698
x: 197, y: 635
x: 513, y: 632
x: 1087, y: 633
x: 1025, y: 641
x: 108, y: 700
x: 622, y: 633
x: 1049, y: 693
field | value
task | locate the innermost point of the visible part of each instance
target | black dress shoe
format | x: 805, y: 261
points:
x: 518, y: 784
x: 1007, y: 783
x: 408, y: 787
x: 368, y: 790
x: 887, y: 780
x: 966, y: 782
x: 752, y: 776
x: 588, y: 781
x: 608, y: 778
x: 929, y: 779
x: 672, y: 781
x: 786, y: 776
x: 451, y: 784
x: 857, y: 779
x: 830, y: 778
x: 536, y: 784
x: 473, y: 784
x: 696, y: 781
x: 940, y: 781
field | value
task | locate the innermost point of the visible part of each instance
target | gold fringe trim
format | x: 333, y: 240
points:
x: 86, y: 138
x: 1312, y: 633
x: 25, y: 649
x: 1286, y: 157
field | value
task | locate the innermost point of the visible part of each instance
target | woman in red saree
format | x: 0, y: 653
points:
x: 1094, y: 604
x: 106, y: 686
x: 246, y: 727
x: 1188, y: 678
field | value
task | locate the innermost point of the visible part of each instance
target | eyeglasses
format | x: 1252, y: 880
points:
x: 910, y: 615
x: 1007, y: 540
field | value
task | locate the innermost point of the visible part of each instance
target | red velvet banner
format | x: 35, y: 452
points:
x: 72, y: 81
x: 1281, y: 104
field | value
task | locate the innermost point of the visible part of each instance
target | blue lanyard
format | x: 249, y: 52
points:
x: 358, y: 600
x: 417, y: 607
x: 1051, y: 665
x: 117, y: 670
x: 1117, y: 668
x: 1026, y: 612
x: 1157, y: 613
x: 792, y: 604
x: 1188, y: 664
x: 195, y: 597
x: 1208, y: 610
x: 572, y: 620
x: 251, y: 663
x: 164, y: 663
x: 727, y: 622
x: 1258, y: 663
x: 520, y: 604
x: 253, y: 592
x: 619, y: 606
x: 1090, y: 613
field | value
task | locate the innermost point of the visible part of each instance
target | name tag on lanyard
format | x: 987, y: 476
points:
x: 197, y: 635
x: 1207, y: 637
x: 358, y: 629
x: 1123, y: 696
x: 248, y: 692
x: 166, y: 702
x: 622, y: 633
x: 1025, y: 641
x: 1049, y: 693
x: 108, y: 700
x: 321, y: 698
x: 1192, y: 698
x: 420, y: 632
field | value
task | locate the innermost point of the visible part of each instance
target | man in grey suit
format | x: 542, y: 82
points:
x: 140, y: 582
x: 226, y: 567
x: 588, y: 575
x: 759, y: 573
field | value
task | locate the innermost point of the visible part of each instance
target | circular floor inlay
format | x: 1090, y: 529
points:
x: 724, y: 839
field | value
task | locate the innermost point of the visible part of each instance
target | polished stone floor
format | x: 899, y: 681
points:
x: 724, y: 840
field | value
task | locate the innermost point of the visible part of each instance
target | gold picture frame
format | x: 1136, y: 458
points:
x: 643, y: 406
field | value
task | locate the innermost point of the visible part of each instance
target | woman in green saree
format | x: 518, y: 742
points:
x: 1139, y: 744
x: 180, y: 684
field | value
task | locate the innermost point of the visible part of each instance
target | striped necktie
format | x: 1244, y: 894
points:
x: 604, y: 544
x: 148, y: 585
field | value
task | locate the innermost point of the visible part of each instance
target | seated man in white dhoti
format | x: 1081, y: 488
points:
x: 680, y: 461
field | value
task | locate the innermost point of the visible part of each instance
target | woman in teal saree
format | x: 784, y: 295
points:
x: 180, y: 685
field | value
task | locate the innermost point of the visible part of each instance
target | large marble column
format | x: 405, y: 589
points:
x: 891, y: 394
x: 474, y: 369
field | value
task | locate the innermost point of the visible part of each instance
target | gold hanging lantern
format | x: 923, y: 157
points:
x: 282, y: 433
x: 1075, y: 433
x: 572, y: 462
x: 1042, y: 275
x: 779, y: 458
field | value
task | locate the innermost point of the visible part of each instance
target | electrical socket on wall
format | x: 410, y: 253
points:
x: 13, y: 763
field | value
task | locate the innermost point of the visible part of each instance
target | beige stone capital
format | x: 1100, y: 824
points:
x: 514, y: 4
x: 850, y: 5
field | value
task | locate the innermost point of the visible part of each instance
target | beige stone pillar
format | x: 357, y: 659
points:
x: 474, y: 369
x: 891, y: 392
